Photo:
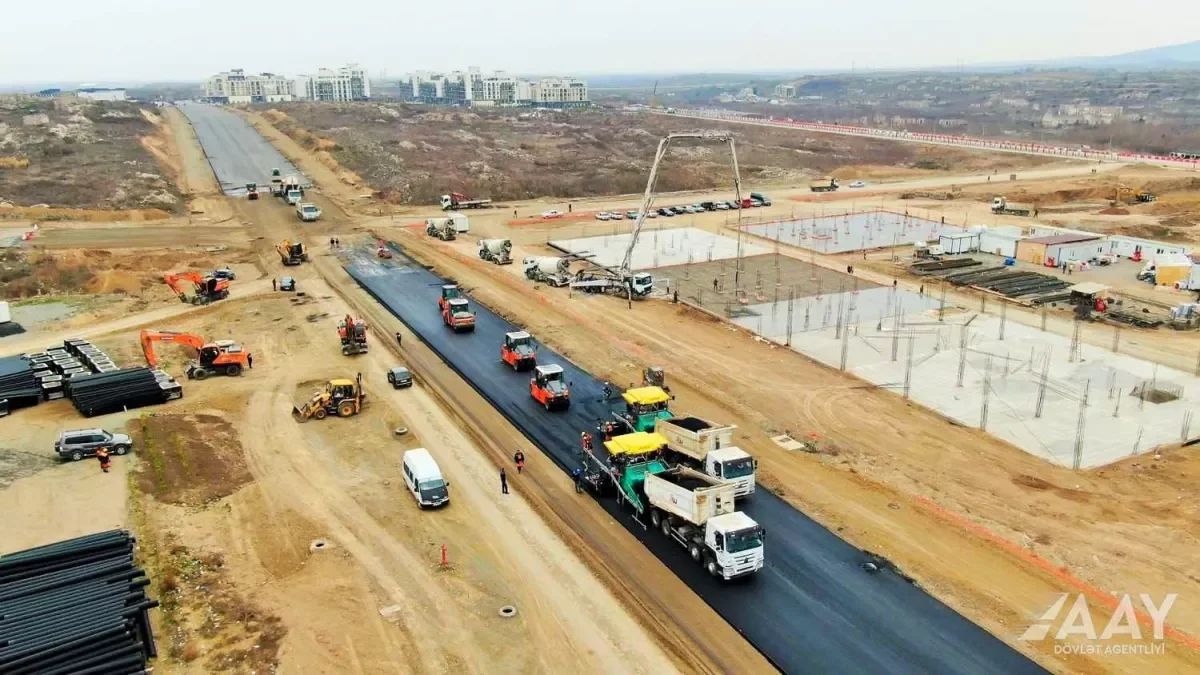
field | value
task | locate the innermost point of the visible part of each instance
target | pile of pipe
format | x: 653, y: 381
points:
x: 78, y: 606
x: 120, y: 390
x: 18, y: 385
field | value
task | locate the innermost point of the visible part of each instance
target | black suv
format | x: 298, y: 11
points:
x: 80, y: 443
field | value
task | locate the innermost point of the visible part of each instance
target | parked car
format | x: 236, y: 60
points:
x: 399, y: 377
x: 652, y: 214
x: 755, y: 203
x: 552, y: 213
x: 762, y: 199
x: 80, y: 443
x: 721, y: 206
x: 732, y: 205
x: 858, y: 184
x: 224, y: 273
x: 603, y: 215
x: 708, y: 206
x: 632, y: 215
x: 666, y: 212
x: 287, y: 284
x: 680, y: 210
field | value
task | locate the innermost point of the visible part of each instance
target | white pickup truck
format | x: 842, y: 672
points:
x: 307, y: 212
x: 708, y: 446
x: 697, y: 511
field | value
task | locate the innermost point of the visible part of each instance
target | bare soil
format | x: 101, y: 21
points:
x: 188, y: 459
x: 414, y: 154
x: 89, y: 155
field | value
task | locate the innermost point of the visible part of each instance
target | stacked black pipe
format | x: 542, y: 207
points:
x: 19, y: 386
x: 119, y: 390
x: 78, y: 606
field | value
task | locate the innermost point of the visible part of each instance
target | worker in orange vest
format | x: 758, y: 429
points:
x: 102, y: 455
x: 586, y: 439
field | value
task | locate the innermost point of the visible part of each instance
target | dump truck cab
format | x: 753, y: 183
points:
x: 655, y: 376
x: 252, y: 191
x: 644, y: 406
x: 548, y: 388
x: 518, y: 351
x: 458, y: 315
x: 449, y: 292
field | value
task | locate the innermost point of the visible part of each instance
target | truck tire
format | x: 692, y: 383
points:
x: 233, y: 370
x: 665, y: 527
x: 655, y: 518
x: 696, y: 552
x: 712, y: 567
x: 320, y: 413
x: 199, y: 373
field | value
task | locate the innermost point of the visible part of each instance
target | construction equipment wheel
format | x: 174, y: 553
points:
x: 666, y: 527
x: 712, y: 567
x: 198, y: 373
x: 320, y: 413
x: 695, y: 551
x: 346, y: 408
x: 656, y: 518
x: 233, y: 370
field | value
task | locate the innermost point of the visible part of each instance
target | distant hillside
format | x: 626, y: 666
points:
x: 1174, y: 56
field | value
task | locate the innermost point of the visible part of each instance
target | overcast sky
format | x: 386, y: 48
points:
x: 128, y: 41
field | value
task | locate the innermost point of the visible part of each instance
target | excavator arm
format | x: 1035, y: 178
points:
x: 149, y: 337
x: 173, y: 280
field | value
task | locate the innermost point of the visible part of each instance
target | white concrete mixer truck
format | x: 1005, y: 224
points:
x: 498, y: 251
x: 548, y: 270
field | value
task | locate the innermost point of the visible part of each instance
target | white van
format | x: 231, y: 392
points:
x: 424, y: 479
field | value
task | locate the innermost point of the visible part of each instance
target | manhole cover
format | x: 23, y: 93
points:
x: 508, y: 611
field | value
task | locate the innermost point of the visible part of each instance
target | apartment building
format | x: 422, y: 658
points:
x: 348, y: 83
x: 235, y: 86
x: 475, y: 88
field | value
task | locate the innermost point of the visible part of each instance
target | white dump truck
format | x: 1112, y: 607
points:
x: 441, y: 228
x: 498, y: 251
x: 548, y: 270
x: 709, y: 447
x: 308, y: 212
x: 697, y: 511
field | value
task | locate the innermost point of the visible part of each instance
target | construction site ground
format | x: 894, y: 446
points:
x: 988, y: 529
x: 992, y: 531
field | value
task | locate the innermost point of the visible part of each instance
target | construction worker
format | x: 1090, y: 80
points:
x: 608, y: 431
x: 519, y: 460
x: 399, y: 339
x: 331, y: 242
x: 586, y: 439
x: 577, y: 476
x: 102, y: 455
x: 503, y: 481
x: 250, y: 361
x: 273, y: 285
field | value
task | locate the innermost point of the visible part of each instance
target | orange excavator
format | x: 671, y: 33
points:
x: 353, y: 334
x: 222, y: 357
x: 207, y: 288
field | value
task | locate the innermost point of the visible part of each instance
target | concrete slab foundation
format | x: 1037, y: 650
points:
x: 886, y: 329
x: 853, y: 231
x: 659, y: 248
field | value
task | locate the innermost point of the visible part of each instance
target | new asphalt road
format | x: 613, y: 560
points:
x: 238, y: 154
x: 812, y: 609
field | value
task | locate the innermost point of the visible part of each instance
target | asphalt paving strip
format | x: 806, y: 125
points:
x: 816, y: 606
x: 237, y: 153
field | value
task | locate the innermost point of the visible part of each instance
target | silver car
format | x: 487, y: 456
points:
x: 80, y: 443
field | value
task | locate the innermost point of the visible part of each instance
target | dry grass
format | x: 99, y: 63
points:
x: 413, y: 154
x: 90, y: 155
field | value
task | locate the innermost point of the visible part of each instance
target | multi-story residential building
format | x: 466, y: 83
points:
x: 473, y: 87
x: 785, y: 91
x: 235, y: 86
x: 348, y: 83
